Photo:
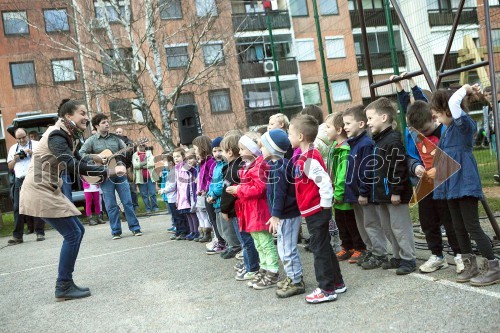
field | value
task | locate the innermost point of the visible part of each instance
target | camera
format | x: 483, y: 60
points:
x: 22, y: 154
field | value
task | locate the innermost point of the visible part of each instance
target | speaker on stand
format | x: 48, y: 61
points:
x: 188, y: 120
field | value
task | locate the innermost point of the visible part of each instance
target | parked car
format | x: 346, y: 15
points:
x: 40, y: 123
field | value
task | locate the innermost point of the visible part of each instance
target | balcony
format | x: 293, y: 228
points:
x: 258, y: 21
x: 437, y: 18
x: 380, y: 60
x: 451, y: 62
x: 373, y: 18
x: 250, y: 70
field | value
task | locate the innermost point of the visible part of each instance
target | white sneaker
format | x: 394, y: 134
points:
x: 210, y: 245
x: 239, y: 255
x: 460, y: 264
x: 433, y: 264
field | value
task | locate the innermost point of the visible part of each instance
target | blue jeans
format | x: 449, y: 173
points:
x: 72, y: 231
x: 148, y: 194
x: 250, y: 254
x: 120, y: 184
x: 288, y: 233
x: 66, y: 186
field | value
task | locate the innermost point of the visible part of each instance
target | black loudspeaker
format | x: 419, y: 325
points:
x: 189, y: 124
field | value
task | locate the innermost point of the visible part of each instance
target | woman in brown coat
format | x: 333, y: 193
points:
x: 41, y: 194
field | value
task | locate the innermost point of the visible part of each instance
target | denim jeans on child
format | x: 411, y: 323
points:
x: 250, y: 254
x: 288, y: 233
x: 120, y: 184
x: 72, y: 231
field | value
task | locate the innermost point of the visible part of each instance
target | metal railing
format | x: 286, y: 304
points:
x: 286, y: 66
x: 280, y: 19
x: 380, y: 60
x: 440, y: 18
x: 373, y: 18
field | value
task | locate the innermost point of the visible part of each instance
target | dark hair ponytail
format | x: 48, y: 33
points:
x: 68, y: 106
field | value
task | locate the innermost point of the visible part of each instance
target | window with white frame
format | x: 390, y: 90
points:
x: 114, y: 10
x: 213, y: 53
x: 63, y: 70
x: 220, y: 100
x: 120, y: 110
x: 312, y: 95
x: 23, y: 74
x: 495, y: 37
x: 206, y: 7
x: 305, y: 49
x: 2, y: 135
x: 15, y: 23
x: 170, y: 9
x: 335, y: 47
x: 328, y: 7
x: 177, y: 56
x: 341, y: 91
x: 56, y: 20
x: 298, y: 8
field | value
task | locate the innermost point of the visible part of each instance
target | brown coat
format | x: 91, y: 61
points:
x: 41, y: 194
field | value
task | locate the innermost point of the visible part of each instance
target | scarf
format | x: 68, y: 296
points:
x: 74, y: 132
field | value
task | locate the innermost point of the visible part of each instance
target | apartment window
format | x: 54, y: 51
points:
x: 305, y: 49
x: 220, y: 100
x: 206, y: 7
x: 328, y: 7
x: 15, y: 23
x: 185, y: 98
x: 112, y: 61
x: 298, y: 8
x: 213, y: 54
x: 495, y: 37
x: 378, y: 42
x: 114, y: 10
x: 170, y: 9
x: 120, y: 109
x: 56, y: 20
x: 341, y: 91
x: 177, y: 56
x: 335, y: 47
x: 63, y: 70
x: 312, y: 95
x: 22, y: 74
x: 367, y: 4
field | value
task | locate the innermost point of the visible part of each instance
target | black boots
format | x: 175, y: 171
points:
x: 67, y: 290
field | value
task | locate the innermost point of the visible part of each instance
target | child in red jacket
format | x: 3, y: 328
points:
x: 252, y: 210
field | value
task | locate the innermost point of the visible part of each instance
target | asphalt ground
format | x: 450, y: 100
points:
x: 153, y: 284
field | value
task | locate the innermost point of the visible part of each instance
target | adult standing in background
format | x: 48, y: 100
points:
x: 146, y: 177
x: 120, y: 132
x: 18, y: 160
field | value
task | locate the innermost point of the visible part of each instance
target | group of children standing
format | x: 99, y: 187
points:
x: 247, y: 187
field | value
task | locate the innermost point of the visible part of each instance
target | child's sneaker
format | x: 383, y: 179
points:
x: 433, y: 264
x: 218, y: 248
x: 357, y: 257
x: 239, y: 265
x: 344, y: 254
x: 210, y: 245
x: 393, y: 263
x: 282, y: 283
x: 181, y: 237
x: 289, y: 289
x: 374, y: 262
x: 319, y: 295
x: 406, y: 267
x: 190, y: 236
x: 239, y: 255
x: 243, y: 275
x: 171, y: 230
x: 460, y: 264
x: 257, y: 277
x: 268, y: 280
x: 340, y: 288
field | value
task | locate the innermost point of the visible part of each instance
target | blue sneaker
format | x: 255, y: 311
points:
x: 190, y: 236
x: 171, y: 230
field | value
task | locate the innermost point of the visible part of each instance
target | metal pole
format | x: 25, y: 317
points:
x: 491, y: 60
x: 397, y: 79
x: 276, y: 69
x: 322, y: 57
x: 365, y: 47
x: 450, y: 42
x: 394, y: 58
x: 413, y: 45
x: 491, y: 217
x: 464, y: 68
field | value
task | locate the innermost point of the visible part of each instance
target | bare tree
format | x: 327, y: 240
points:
x: 149, y: 52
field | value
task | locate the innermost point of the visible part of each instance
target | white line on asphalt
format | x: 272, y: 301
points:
x: 85, y: 258
x: 457, y: 285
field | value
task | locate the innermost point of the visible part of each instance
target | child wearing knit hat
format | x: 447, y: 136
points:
x: 285, y: 215
x: 252, y: 211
